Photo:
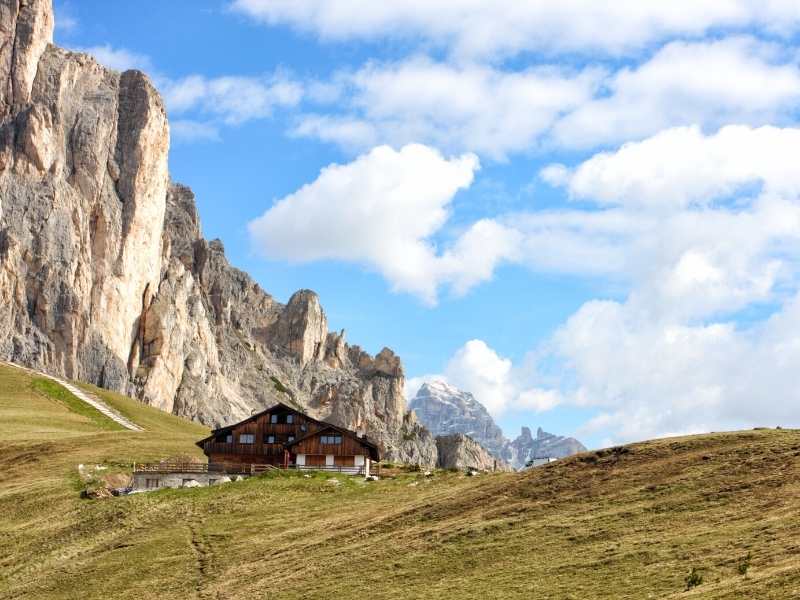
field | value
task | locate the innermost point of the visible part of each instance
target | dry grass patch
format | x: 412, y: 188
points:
x: 629, y: 522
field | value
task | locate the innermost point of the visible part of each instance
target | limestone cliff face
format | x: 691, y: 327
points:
x: 459, y: 451
x: 105, y: 275
x: 446, y: 410
x: 525, y: 447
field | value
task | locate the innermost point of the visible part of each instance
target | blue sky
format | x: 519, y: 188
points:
x: 588, y: 218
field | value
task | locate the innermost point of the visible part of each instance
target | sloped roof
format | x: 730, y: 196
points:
x: 364, y: 441
x: 374, y: 451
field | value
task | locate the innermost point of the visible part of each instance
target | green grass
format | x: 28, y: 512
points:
x: 52, y: 389
x: 153, y: 420
x: 629, y: 523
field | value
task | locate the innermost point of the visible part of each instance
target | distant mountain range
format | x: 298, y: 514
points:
x: 445, y: 410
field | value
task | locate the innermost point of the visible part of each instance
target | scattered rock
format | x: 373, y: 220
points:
x: 371, y: 478
x: 223, y: 479
x: 333, y: 482
x: 192, y: 483
x: 97, y: 493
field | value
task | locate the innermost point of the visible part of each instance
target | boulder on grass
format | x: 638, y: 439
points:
x: 192, y: 483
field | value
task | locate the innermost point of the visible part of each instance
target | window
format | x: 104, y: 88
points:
x: 273, y: 418
x: 229, y: 438
x: 247, y: 438
x: 269, y: 439
x: 303, y: 427
x: 331, y: 439
x: 151, y: 484
x: 290, y: 419
x: 290, y: 439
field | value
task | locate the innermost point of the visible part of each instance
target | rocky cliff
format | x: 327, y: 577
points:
x: 105, y: 275
x: 446, y: 410
x: 459, y: 451
x: 545, y: 445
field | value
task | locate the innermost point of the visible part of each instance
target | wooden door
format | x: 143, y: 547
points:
x: 315, y: 460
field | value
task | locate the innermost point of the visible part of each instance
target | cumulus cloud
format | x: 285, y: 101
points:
x: 186, y: 130
x: 203, y: 104
x: 493, y: 379
x: 119, y: 59
x: 491, y: 28
x: 382, y: 210
x: 734, y: 80
x: 698, y: 230
x: 454, y: 107
x: 682, y: 166
x: 498, y: 112
x: 651, y: 378
x: 66, y: 22
x: 234, y: 100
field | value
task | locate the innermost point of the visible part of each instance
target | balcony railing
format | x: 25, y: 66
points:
x: 236, y: 468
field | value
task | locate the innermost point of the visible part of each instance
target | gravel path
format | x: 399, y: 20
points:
x: 87, y: 397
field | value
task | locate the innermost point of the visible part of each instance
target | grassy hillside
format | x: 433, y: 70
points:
x: 628, y: 523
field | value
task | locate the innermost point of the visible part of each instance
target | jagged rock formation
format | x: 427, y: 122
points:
x: 545, y: 445
x: 446, y: 410
x: 459, y: 451
x: 105, y: 275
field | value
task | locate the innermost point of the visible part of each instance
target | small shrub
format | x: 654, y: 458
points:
x: 693, y: 579
x: 278, y: 385
x: 744, y: 565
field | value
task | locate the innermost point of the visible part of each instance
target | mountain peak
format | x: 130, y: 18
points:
x: 446, y: 410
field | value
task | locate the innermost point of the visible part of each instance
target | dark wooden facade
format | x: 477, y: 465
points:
x: 278, y: 435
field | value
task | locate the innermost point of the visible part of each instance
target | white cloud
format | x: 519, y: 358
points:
x: 496, y: 112
x: 478, y: 369
x: 457, y: 108
x: 494, y: 381
x: 204, y: 104
x: 119, y: 59
x: 680, y: 167
x: 234, y: 100
x: 185, y: 130
x: 381, y: 210
x: 489, y: 28
x: 654, y: 378
x: 734, y: 80
x: 689, y: 253
x: 66, y: 22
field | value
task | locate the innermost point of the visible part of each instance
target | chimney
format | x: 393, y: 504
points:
x: 360, y: 433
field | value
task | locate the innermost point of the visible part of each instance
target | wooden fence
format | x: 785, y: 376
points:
x: 237, y: 469
x: 198, y: 467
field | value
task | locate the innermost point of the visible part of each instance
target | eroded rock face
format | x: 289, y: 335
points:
x: 83, y: 187
x: 446, y: 410
x: 545, y: 445
x: 459, y: 451
x: 105, y: 275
